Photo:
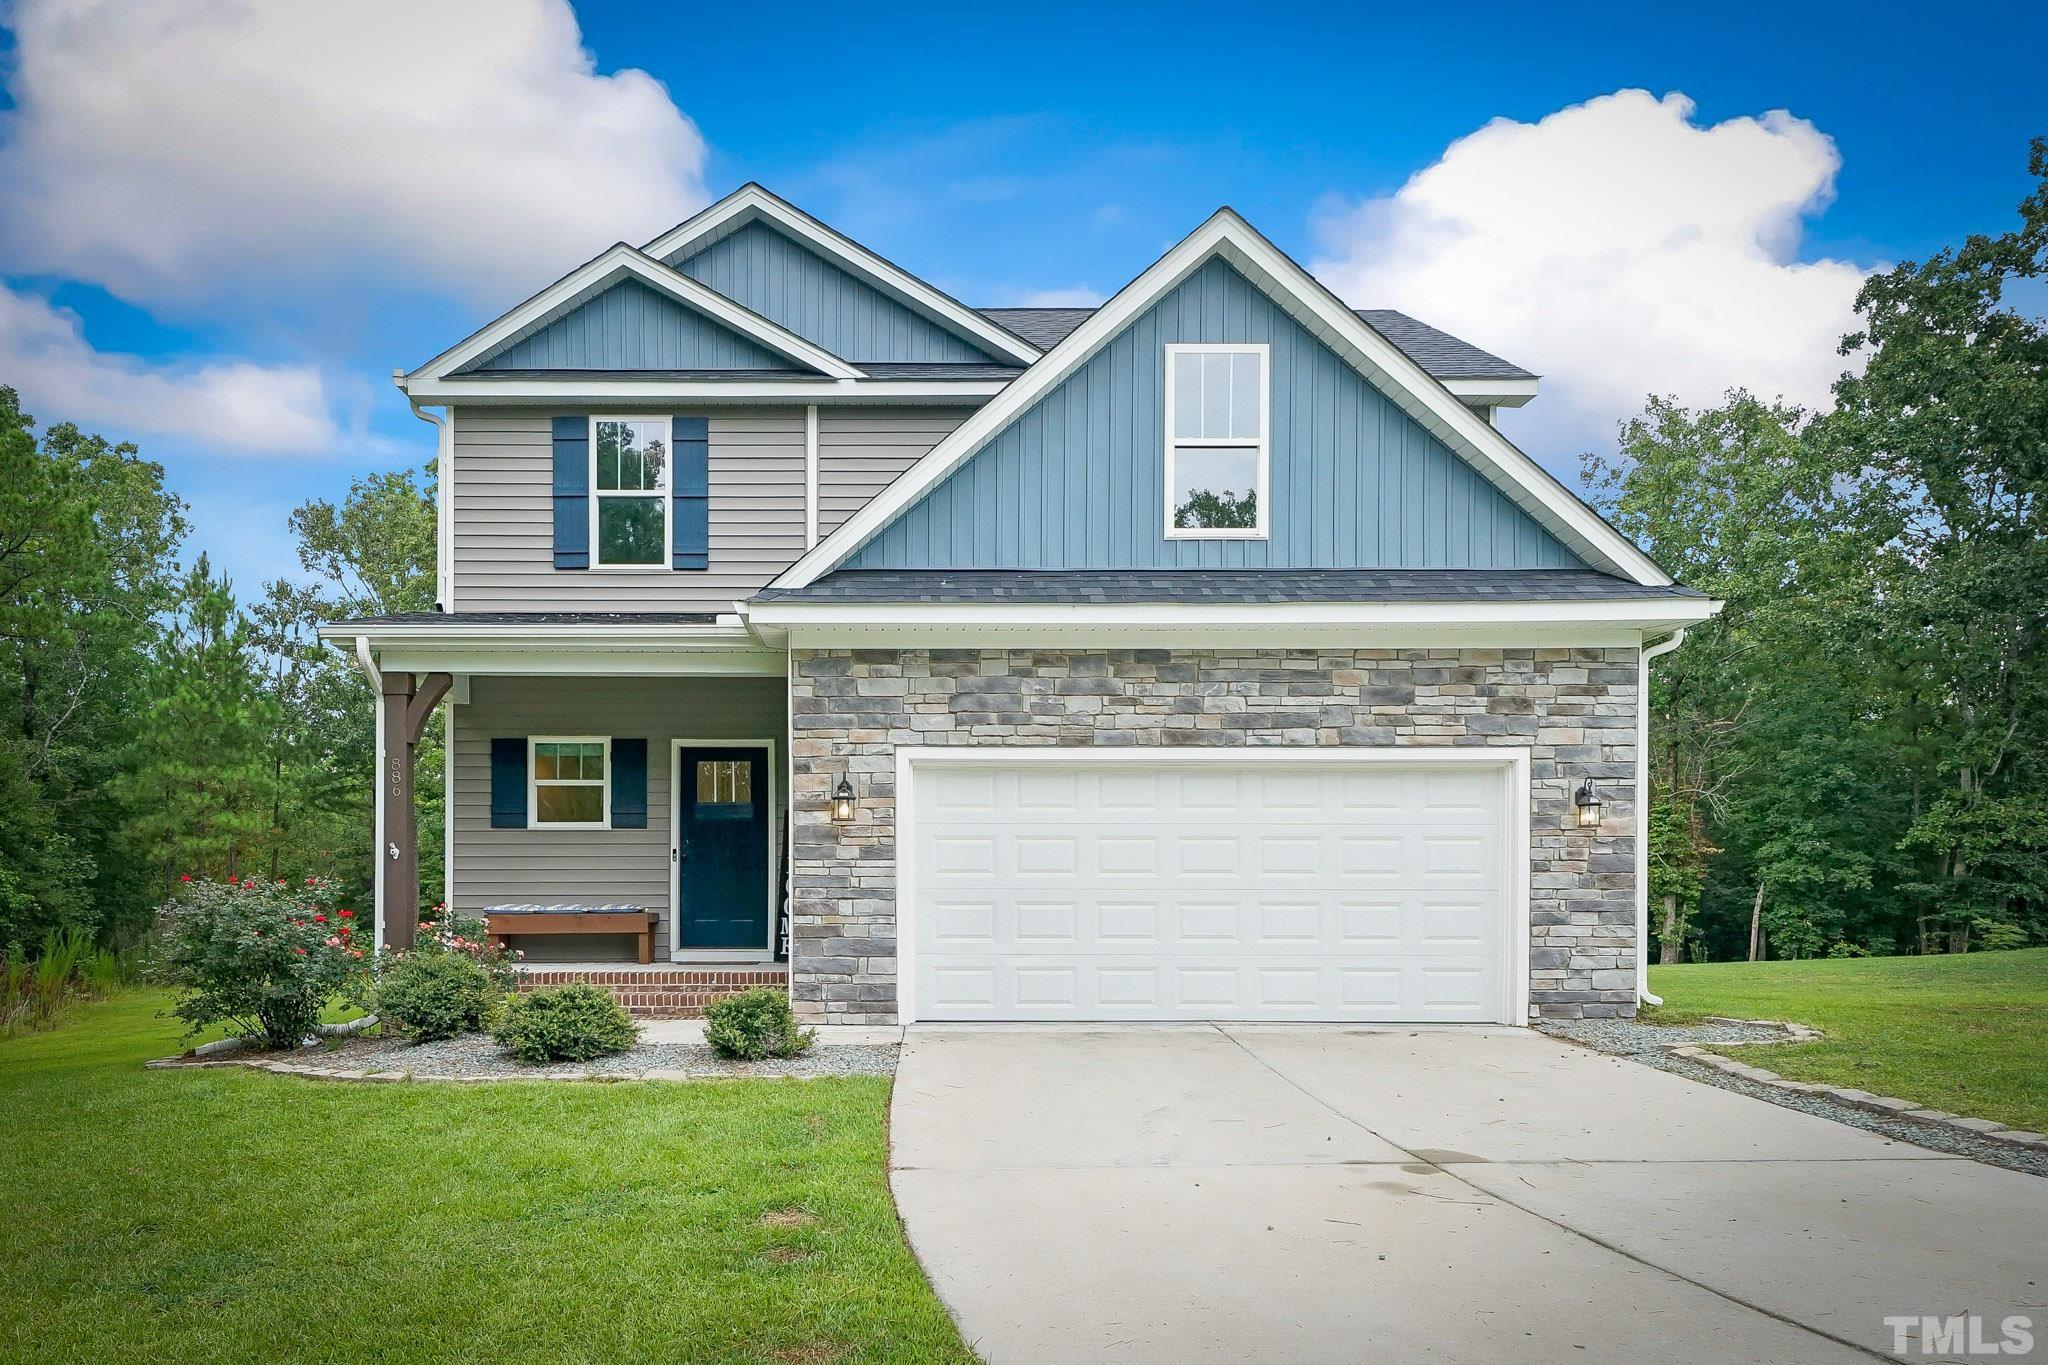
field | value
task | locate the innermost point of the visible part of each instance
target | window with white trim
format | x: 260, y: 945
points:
x: 629, y: 485
x: 1216, y: 441
x: 568, y: 784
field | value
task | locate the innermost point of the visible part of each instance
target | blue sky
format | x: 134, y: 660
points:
x: 228, y: 268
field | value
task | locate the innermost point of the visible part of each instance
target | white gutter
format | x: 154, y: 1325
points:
x: 368, y: 664
x: 1643, y: 995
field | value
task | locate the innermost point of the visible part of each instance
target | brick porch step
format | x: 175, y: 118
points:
x: 679, y: 992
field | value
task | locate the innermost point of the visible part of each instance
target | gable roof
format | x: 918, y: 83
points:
x: 752, y: 203
x: 1437, y: 351
x: 598, y: 274
x: 1421, y: 395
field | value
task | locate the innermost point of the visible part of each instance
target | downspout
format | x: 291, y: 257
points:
x: 444, y: 505
x: 1643, y: 658
x: 368, y: 663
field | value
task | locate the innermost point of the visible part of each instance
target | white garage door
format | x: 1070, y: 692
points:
x: 1300, y: 891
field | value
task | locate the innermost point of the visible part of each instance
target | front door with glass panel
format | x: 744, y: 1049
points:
x: 722, y: 848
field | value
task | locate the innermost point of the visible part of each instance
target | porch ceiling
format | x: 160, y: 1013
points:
x: 560, y: 644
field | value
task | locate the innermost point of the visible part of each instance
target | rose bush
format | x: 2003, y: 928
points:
x: 261, y: 957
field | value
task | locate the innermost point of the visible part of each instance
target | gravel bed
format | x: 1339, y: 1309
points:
x: 476, y: 1054
x: 1645, y: 1043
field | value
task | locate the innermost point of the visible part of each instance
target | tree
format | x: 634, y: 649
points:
x: 370, y: 555
x: 1946, y: 431
x: 88, y: 538
x: 198, y: 773
x: 1218, y: 508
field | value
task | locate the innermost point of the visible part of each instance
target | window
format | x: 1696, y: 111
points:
x: 725, y: 789
x: 1216, y: 462
x: 629, y: 506
x: 567, y: 782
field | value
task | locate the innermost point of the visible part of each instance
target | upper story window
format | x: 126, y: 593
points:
x: 568, y: 788
x: 629, y: 507
x: 1216, y: 442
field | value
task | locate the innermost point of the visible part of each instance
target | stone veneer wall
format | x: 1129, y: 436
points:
x: 1575, y: 709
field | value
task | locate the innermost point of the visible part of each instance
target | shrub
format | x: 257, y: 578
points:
x: 429, y: 995
x: 1999, y: 935
x: 444, y: 931
x: 755, y: 1024
x: 262, y: 958
x: 565, y: 1024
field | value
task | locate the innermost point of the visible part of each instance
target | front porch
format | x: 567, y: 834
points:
x: 615, y: 795
x: 665, y: 990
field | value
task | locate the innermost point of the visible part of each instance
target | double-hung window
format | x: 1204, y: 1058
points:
x: 569, y: 786
x: 629, y: 504
x: 1216, y: 442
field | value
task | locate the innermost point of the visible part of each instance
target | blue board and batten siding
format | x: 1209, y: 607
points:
x: 631, y: 326
x: 796, y: 288
x: 1077, y: 481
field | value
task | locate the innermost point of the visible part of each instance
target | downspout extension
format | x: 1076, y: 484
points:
x: 1643, y: 658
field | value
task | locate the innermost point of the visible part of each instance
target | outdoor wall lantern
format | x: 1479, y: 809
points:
x: 842, y: 802
x: 1588, y: 803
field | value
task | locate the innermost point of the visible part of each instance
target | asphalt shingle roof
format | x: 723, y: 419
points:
x: 1221, y: 585
x: 1438, y: 352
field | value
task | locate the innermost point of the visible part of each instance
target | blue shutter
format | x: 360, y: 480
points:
x: 508, y: 784
x: 572, y: 492
x: 629, y: 784
x: 691, y: 490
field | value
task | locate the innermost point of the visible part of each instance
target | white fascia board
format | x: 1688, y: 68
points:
x: 752, y: 201
x: 1633, y: 614
x: 1495, y: 393
x: 596, y: 275
x: 529, y: 392
x: 474, y: 660
x: 1420, y: 395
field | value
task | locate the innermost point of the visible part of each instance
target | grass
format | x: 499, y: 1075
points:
x: 1961, y: 1033
x: 226, y: 1215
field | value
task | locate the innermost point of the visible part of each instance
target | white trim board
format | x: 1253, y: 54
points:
x: 593, y: 277
x: 511, y: 392
x: 1517, y: 812
x: 751, y: 202
x: 676, y: 951
x: 1396, y: 374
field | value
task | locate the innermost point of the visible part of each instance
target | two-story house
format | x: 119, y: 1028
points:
x: 1207, y: 654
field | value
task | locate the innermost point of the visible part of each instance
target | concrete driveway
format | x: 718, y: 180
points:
x: 1293, y: 1193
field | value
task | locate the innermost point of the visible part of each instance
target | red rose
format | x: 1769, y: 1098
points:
x: 300, y: 951
x: 319, y: 919
x: 186, y: 878
x: 348, y: 914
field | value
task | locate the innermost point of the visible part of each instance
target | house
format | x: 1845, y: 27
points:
x: 1207, y: 654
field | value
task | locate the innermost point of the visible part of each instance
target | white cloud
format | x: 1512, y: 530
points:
x: 232, y: 407
x: 1620, y: 249
x: 194, y: 151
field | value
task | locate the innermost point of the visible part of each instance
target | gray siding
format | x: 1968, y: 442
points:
x: 792, y: 285
x: 631, y: 327
x: 592, y: 867
x: 1076, y: 482
x: 860, y: 453
x: 504, y: 527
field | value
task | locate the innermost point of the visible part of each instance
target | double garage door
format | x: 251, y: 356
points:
x: 1153, y: 890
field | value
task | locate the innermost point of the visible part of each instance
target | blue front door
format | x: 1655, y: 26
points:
x: 722, y: 847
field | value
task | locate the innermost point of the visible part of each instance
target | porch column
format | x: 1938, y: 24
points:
x: 403, y: 719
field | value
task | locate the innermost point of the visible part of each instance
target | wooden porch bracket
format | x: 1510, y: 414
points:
x: 407, y: 704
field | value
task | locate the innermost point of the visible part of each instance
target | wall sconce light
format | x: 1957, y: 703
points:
x: 1588, y: 803
x: 842, y: 802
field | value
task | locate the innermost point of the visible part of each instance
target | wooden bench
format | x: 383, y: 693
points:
x: 504, y: 921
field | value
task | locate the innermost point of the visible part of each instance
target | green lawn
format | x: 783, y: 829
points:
x: 231, y: 1215
x: 1963, y: 1033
